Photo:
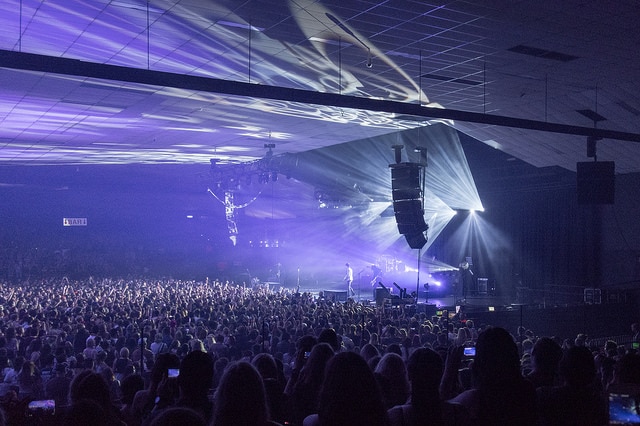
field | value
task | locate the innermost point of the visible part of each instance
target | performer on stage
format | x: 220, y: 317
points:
x: 348, y: 278
x: 376, y: 275
x: 466, y: 279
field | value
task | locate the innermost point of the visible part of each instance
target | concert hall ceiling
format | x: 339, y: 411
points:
x: 86, y: 82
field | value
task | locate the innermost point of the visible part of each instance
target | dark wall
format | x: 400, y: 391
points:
x: 565, y: 322
x: 555, y: 241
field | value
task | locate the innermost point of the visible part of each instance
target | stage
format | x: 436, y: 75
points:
x: 611, y: 317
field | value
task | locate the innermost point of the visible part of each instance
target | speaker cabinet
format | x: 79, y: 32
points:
x: 416, y: 240
x: 381, y: 294
x: 596, y: 182
x: 405, y: 176
x: 407, y: 203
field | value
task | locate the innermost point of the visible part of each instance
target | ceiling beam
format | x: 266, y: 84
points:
x: 55, y: 65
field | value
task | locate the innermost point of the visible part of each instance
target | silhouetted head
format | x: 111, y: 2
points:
x: 266, y: 366
x: 369, y: 351
x: 329, y: 335
x: 240, y: 398
x: 577, y: 367
x: 497, y: 360
x: 178, y: 416
x: 350, y: 395
x: 196, y: 374
x: 425, y: 369
x: 546, y: 355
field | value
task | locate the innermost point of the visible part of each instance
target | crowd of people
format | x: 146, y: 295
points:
x: 169, y: 352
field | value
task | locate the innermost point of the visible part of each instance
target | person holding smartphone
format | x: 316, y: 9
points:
x: 500, y: 394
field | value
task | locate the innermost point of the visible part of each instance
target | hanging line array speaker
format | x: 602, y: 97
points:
x: 408, y: 204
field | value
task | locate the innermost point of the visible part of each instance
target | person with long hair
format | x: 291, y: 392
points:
x: 30, y: 381
x: 391, y: 374
x: 350, y: 395
x: 425, y: 407
x: 304, y: 398
x: 500, y: 394
x: 240, y: 399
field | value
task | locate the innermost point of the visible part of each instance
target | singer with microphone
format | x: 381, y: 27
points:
x: 466, y: 278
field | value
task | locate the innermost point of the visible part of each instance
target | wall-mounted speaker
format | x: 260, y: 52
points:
x: 596, y: 182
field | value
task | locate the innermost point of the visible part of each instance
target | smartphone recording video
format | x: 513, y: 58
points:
x: 624, y: 408
x: 469, y: 351
x: 41, y: 407
x: 173, y: 372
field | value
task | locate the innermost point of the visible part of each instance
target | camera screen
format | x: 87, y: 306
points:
x: 623, y: 409
x: 47, y: 406
x: 174, y: 372
x: 470, y: 351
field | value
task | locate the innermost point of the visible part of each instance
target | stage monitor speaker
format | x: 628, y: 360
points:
x: 381, y: 294
x: 336, y: 295
x: 596, y: 182
x: 427, y: 308
x: 482, y: 285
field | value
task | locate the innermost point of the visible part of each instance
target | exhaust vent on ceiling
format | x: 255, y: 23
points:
x: 542, y: 53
